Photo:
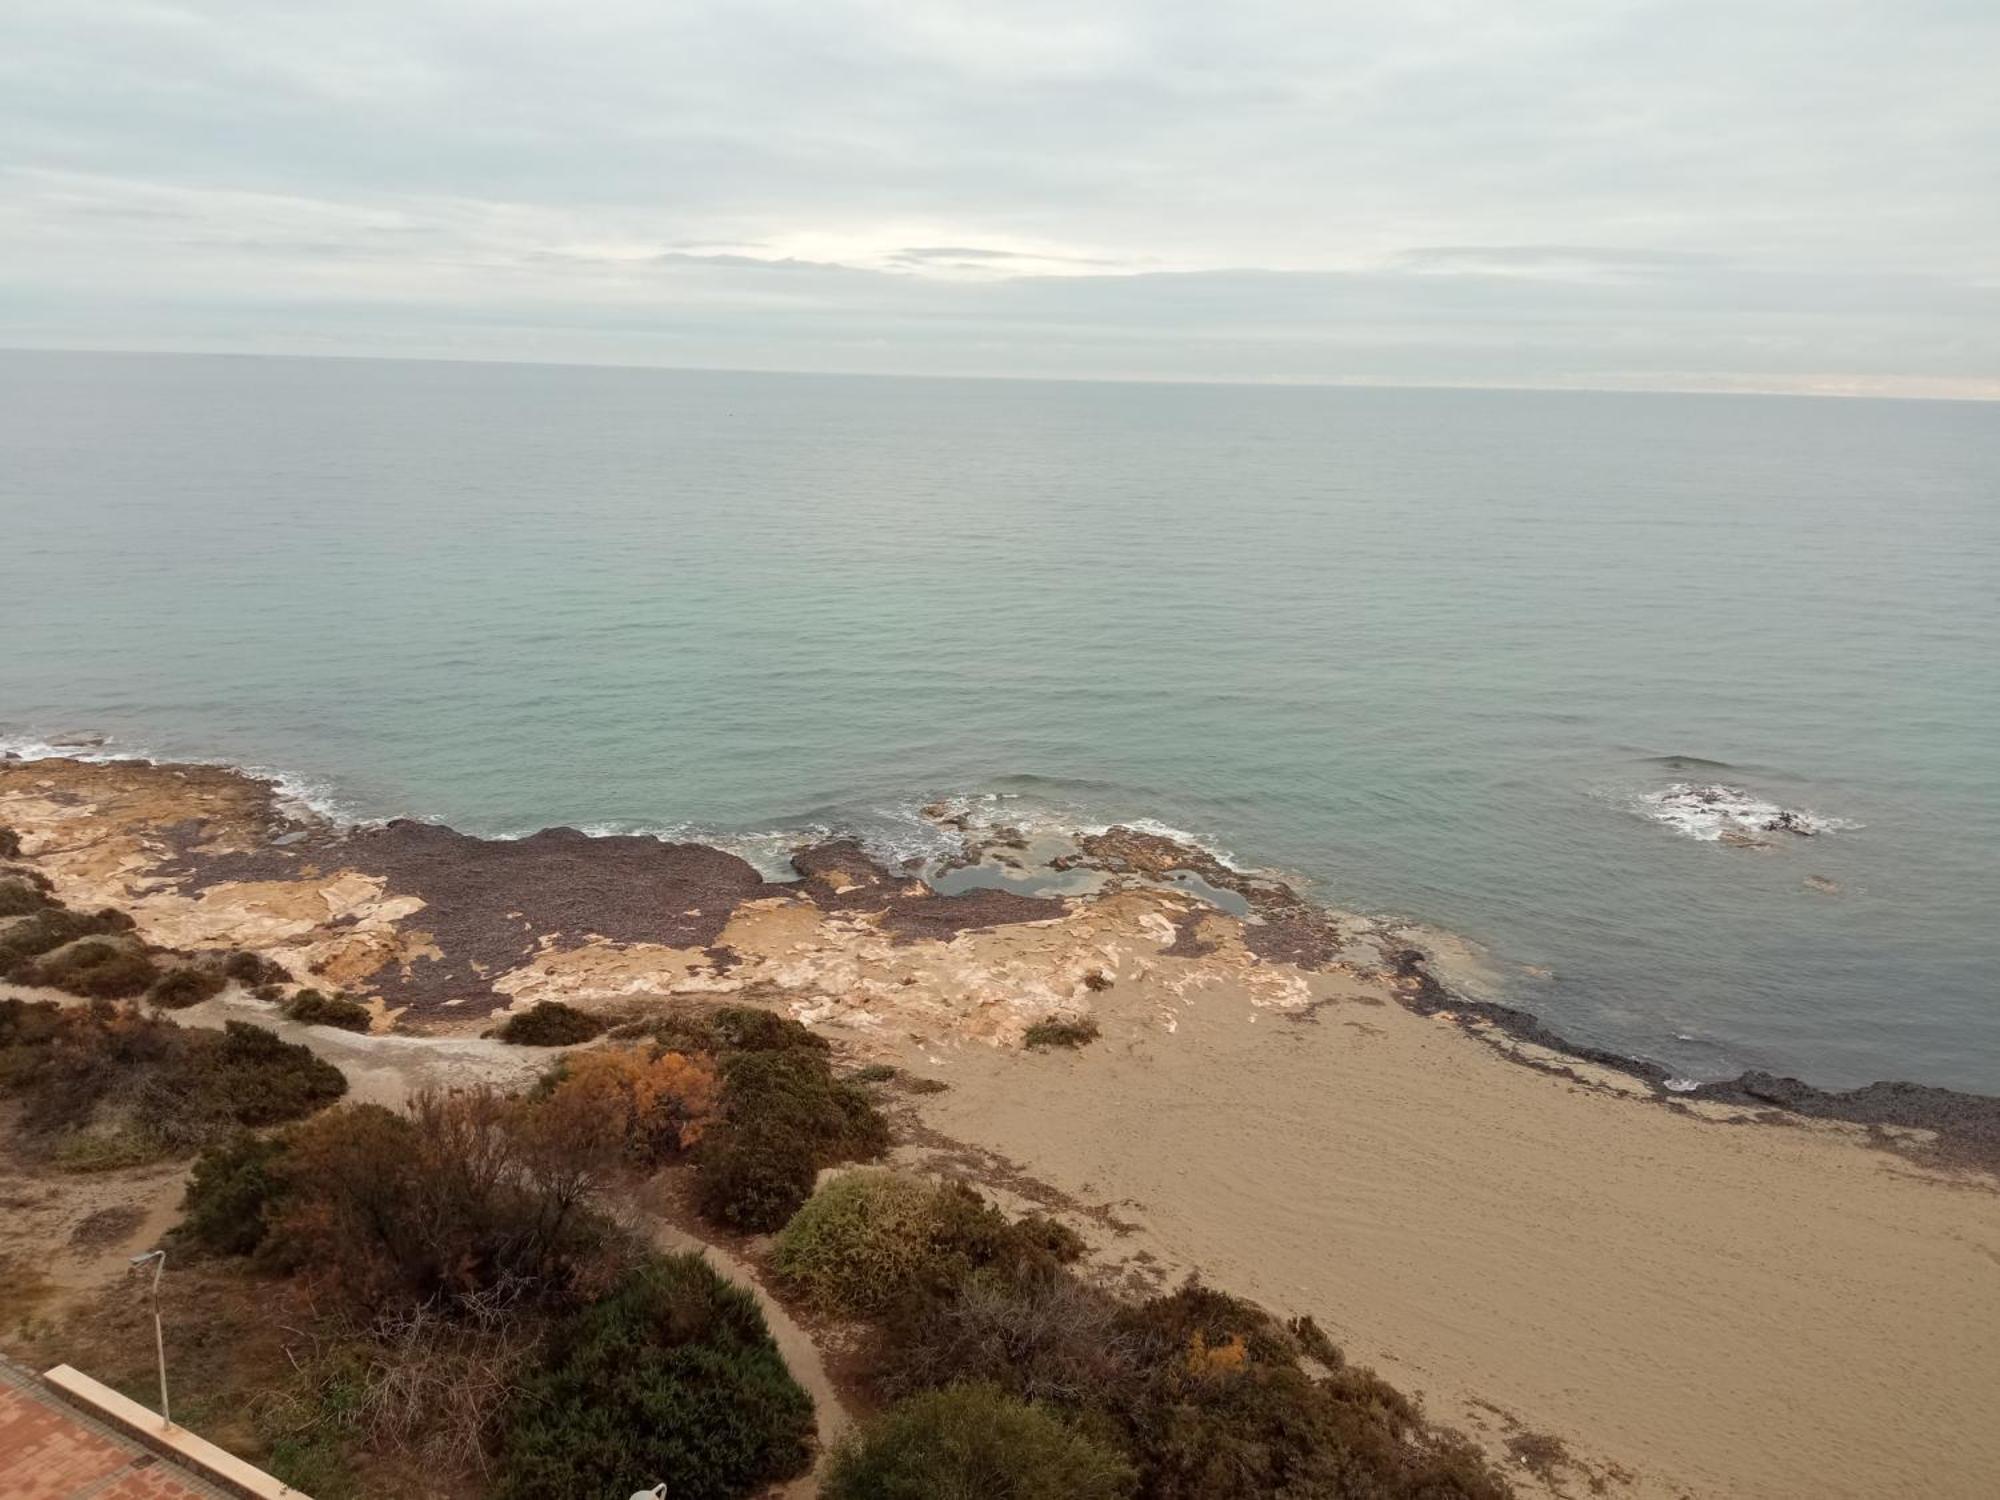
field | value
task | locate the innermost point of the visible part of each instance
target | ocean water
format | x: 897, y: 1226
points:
x: 1444, y: 654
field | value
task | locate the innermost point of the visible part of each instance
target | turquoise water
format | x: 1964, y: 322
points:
x: 1427, y: 649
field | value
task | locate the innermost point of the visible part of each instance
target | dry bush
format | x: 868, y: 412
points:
x: 470, y: 1190
x: 1061, y: 1031
x: 1051, y: 1338
x: 649, y: 1105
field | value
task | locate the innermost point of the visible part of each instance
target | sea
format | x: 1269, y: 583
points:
x: 1538, y: 669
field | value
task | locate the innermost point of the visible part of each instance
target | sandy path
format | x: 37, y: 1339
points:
x: 1718, y: 1309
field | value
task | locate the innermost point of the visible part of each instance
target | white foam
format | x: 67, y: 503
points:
x: 1711, y: 812
x: 985, y: 811
x: 297, y: 797
x: 1682, y: 1085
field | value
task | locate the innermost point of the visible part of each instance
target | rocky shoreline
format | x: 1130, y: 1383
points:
x: 1720, y: 1291
x: 439, y: 931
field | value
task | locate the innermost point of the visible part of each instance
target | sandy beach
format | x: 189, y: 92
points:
x: 1694, y: 1297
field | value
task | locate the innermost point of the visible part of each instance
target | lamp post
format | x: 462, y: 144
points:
x: 159, y: 1260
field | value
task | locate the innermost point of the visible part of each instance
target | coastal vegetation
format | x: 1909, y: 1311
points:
x: 976, y: 1442
x: 1062, y: 1031
x: 550, y: 1023
x: 104, y: 1084
x: 671, y: 1375
x: 1196, y: 1394
x: 312, y: 1007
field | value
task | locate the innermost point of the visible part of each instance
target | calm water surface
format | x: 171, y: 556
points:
x: 1427, y: 649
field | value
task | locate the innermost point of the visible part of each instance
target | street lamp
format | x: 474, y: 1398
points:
x: 159, y: 1260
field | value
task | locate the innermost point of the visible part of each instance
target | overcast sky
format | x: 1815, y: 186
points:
x: 1766, y: 194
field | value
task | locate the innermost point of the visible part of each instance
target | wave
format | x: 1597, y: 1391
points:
x: 299, y: 797
x: 1688, y: 763
x: 1713, y: 812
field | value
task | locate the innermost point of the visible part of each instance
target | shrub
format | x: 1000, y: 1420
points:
x: 648, y: 1105
x: 20, y: 896
x: 1042, y: 1335
x: 725, y: 1028
x: 467, y: 1193
x: 10, y: 843
x: 870, y: 1241
x: 189, y: 985
x: 783, y: 1118
x: 1222, y: 1407
x: 671, y: 1378
x: 975, y: 1442
x: 50, y: 929
x: 873, y: 1073
x: 550, y: 1023
x: 107, y: 1150
x: 252, y: 970
x: 212, y: 1084
x: 103, y: 1078
x: 97, y: 968
x: 312, y: 1008
x: 1061, y: 1032
x: 231, y: 1193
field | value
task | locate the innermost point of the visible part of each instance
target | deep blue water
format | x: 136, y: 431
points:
x: 1427, y: 649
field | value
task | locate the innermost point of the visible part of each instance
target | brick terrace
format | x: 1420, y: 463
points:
x: 52, y: 1451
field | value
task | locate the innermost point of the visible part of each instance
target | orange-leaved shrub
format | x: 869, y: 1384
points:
x: 651, y: 1104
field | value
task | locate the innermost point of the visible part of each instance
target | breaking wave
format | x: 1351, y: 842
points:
x: 1713, y: 811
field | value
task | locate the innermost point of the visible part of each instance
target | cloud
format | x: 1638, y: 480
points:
x: 1597, y: 190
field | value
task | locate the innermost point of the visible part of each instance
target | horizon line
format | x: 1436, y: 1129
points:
x: 1251, y: 382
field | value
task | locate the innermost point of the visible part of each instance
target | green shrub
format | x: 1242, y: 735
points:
x: 10, y: 843
x: 862, y: 1242
x: 873, y: 1073
x: 784, y: 1117
x: 231, y: 1192
x: 1061, y: 1032
x: 97, y: 968
x: 190, y: 985
x: 211, y: 1084
x: 975, y: 1442
x: 104, y: 1069
x: 871, y: 1241
x: 21, y: 896
x: 312, y: 1008
x: 550, y: 1023
x: 51, y: 928
x: 252, y: 970
x: 724, y: 1028
x: 672, y: 1378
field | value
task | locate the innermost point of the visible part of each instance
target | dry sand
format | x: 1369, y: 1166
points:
x: 1713, y: 1308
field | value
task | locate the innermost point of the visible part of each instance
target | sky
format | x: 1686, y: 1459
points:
x: 1789, y: 195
